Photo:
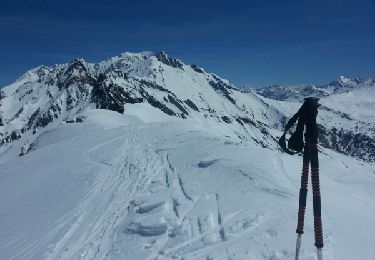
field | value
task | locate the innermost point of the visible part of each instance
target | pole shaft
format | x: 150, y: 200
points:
x: 298, y: 246
x: 319, y: 254
x: 303, y: 191
x: 316, y: 195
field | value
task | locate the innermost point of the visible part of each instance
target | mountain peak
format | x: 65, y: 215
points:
x: 78, y: 70
x: 78, y: 62
x: 343, y: 81
x: 164, y: 58
x: 138, y: 54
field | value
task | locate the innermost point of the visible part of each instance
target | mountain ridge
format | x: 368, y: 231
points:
x: 59, y: 94
x: 62, y: 93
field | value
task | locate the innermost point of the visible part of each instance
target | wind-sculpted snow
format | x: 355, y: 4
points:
x: 114, y: 187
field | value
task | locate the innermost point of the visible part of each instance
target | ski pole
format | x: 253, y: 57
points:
x: 306, y: 116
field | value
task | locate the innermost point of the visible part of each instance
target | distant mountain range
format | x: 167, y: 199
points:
x: 296, y: 93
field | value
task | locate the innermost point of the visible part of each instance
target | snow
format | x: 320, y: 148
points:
x: 147, y: 113
x: 359, y: 104
x: 141, y: 186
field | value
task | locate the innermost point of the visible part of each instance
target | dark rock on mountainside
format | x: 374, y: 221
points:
x: 222, y: 88
x: 111, y: 97
x: 347, y: 142
x: 192, y: 105
x: 2, y: 95
x: 76, y: 73
x: 164, y: 58
x: 196, y: 68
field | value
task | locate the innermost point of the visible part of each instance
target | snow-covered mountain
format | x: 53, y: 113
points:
x: 144, y: 157
x: 45, y: 96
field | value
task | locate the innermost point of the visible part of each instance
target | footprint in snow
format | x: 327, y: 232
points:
x: 205, y: 164
x: 146, y: 230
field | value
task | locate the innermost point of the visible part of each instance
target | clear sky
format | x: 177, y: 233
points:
x: 248, y: 42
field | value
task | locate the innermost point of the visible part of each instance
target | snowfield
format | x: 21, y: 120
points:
x: 144, y: 185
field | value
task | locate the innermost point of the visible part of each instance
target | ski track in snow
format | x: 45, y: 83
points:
x: 126, y: 175
x: 97, y: 159
x: 114, y: 207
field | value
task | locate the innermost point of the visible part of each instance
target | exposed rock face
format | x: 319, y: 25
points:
x: 164, y: 58
x: 348, y: 142
x: 111, y: 97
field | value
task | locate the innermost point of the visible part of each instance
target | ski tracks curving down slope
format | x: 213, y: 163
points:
x: 90, y: 229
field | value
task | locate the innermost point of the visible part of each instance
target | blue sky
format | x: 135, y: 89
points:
x: 247, y: 42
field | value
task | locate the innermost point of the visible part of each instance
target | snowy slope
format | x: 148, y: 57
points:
x: 166, y: 189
